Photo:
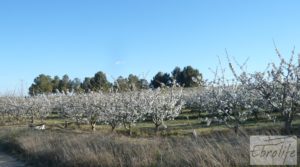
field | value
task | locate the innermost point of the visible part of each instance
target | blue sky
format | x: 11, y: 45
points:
x: 142, y: 37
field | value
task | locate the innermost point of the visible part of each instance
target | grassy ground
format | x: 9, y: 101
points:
x: 67, y: 148
x: 176, y: 146
x: 54, y: 148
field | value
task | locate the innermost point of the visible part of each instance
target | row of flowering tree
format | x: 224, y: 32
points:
x: 248, y: 95
x: 17, y: 109
x: 114, y: 108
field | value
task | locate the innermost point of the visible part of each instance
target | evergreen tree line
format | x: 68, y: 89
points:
x: 45, y: 84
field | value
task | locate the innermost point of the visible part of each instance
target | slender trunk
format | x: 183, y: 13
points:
x: 124, y: 124
x: 77, y: 123
x: 3, y: 119
x: 32, y: 119
x: 113, y: 127
x: 66, y: 124
x: 236, y: 129
x: 288, y: 126
x: 93, y: 125
x: 156, y: 128
x: 130, y: 129
x: 288, y: 117
x: 256, y: 116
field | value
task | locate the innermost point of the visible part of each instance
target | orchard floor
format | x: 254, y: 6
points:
x: 216, y: 145
x: 186, y: 124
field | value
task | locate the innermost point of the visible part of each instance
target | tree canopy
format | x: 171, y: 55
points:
x: 45, y: 84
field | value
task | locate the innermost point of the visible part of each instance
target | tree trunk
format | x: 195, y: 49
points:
x: 156, y: 128
x: 124, y: 124
x: 32, y: 119
x: 130, y: 130
x: 113, y: 128
x: 288, y: 127
x: 66, y: 124
x: 256, y: 115
x: 236, y: 129
x: 93, y: 125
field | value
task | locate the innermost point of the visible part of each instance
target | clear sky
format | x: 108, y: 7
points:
x: 142, y: 37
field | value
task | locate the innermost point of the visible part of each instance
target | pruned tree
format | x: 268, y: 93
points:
x: 162, y: 104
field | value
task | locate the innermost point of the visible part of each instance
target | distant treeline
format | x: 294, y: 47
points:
x: 45, y: 84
